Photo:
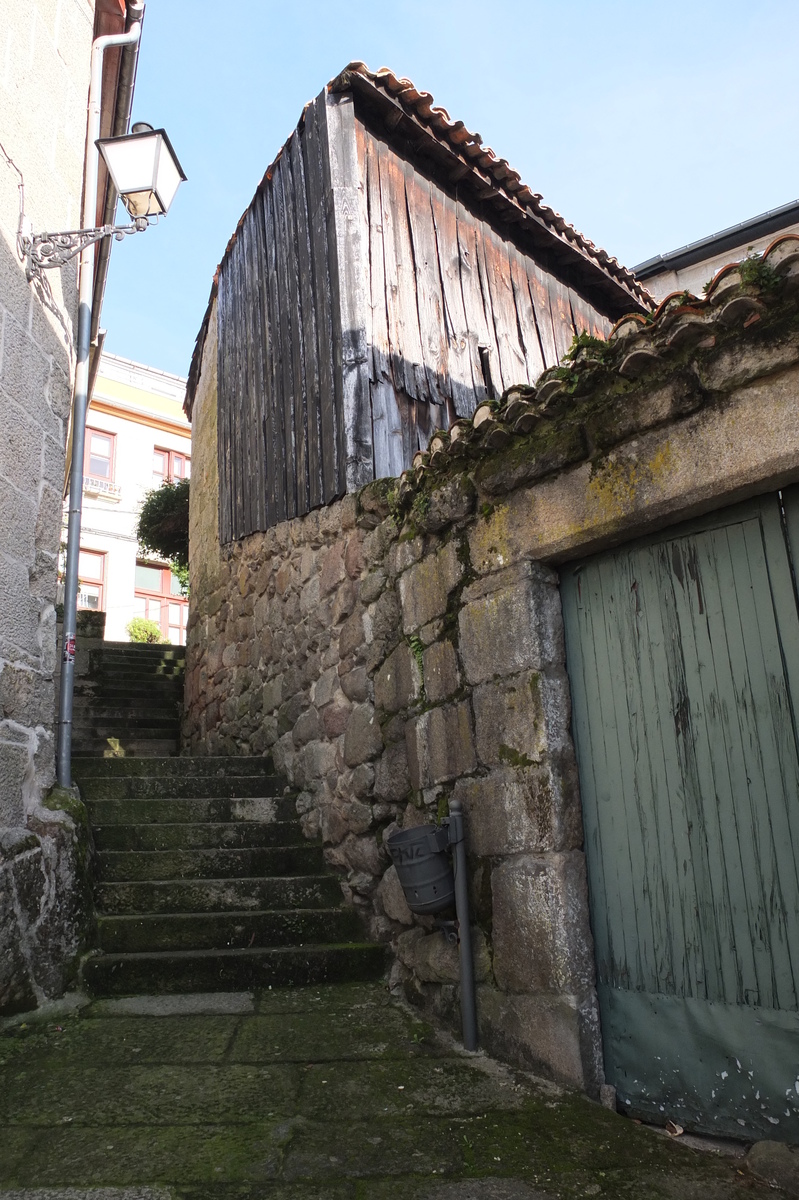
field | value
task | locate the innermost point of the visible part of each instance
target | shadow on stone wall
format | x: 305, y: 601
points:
x: 41, y: 850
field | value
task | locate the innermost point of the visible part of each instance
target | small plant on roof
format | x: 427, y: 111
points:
x: 757, y: 271
x: 585, y: 341
x: 163, y: 527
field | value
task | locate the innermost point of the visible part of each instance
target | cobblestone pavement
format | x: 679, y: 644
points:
x: 334, y: 1093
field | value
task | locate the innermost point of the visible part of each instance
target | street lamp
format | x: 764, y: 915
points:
x: 146, y: 173
x: 144, y: 170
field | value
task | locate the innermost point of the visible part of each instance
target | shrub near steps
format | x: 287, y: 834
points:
x: 204, y: 882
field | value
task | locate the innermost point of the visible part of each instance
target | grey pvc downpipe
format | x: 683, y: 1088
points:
x: 81, y: 402
x: 468, y: 1004
x: 124, y: 106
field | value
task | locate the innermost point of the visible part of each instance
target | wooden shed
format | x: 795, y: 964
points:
x: 389, y: 274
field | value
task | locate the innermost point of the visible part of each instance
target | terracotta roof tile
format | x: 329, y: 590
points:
x: 737, y: 297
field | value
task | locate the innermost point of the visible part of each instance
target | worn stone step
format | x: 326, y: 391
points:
x: 231, y: 970
x: 140, y: 728
x: 139, y: 708
x: 205, y: 835
x: 129, y: 747
x: 218, y: 895
x: 192, y: 787
x: 265, y: 862
x: 141, y: 649
x: 230, y: 930
x: 186, y: 766
x: 187, y: 810
x: 161, y: 685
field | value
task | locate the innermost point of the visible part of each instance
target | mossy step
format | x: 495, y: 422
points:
x: 128, y: 747
x: 140, y: 648
x: 231, y: 970
x: 142, y: 708
x: 96, y: 726
x: 195, y: 765
x: 147, y: 811
x: 233, y: 930
x: 115, y: 866
x: 164, y: 786
x: 218, y: 895
x: 205, y: 835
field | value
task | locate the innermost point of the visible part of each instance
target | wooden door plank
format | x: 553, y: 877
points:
x: 539, y: 293
x: 531, y: 343
x: 348, y: 232
x: 429, y: 295
x: 479, y: 321
x: 459, y: 356
x: 329, y: 383
x: 681, y: 777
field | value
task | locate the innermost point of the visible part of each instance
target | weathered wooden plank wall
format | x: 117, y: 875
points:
x: 361, y: 307
x: 457, y: 312
x: 280, y: 387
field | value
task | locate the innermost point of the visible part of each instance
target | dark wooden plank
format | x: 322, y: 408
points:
x: 480, y: 330
x: 429, y: 294
x: 459, y: 358
x: 295, y: 320
x: 249, y: 421
x: 528, y: 330
x: 348, y: 232
x: 506, y: 323
x: 539, y: 292
x: 314, y: 153
x: 309, y: 334
x: 223, y: 434
x: 284, y: 326
x: 278, y: 442
x: 486, y: 266
x: 235, y: 394
x: 403, y: 314
x: 562, y: 323
x: 265, y: 431
x: 257, y: 281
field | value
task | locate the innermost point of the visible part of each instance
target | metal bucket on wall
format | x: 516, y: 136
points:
x: 424, y: 867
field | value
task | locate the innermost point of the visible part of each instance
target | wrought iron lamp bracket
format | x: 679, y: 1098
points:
x: 45, y: 250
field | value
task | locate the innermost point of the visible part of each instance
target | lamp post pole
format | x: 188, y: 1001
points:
x: 81, y: 403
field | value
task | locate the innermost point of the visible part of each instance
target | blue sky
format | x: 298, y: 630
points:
x: 646, y: 125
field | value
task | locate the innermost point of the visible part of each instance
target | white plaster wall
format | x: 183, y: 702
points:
x: 693, y: 278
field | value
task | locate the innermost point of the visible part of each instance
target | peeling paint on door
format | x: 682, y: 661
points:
x: 683, y: 655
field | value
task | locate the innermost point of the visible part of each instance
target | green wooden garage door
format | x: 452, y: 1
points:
x: 683, y: 655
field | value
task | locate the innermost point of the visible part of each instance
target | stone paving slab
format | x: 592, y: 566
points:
x: 321, y: 1093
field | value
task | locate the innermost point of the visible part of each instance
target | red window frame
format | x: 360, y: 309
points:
x: 165, y: 596
x: 87, y: 453
x: 171, y: 456
x: 93, y: 581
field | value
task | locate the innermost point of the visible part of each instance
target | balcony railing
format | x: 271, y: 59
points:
x: 94, y: 486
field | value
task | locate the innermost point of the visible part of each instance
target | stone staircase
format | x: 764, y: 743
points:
x: 128, y: 701
x: 204, y: 881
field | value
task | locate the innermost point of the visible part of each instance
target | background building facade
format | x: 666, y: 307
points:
x: 137, y: 437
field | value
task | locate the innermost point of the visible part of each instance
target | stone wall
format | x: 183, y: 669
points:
x: 43, y: 87
x: 405, y: 645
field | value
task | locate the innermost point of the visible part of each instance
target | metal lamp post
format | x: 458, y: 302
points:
x: 146, y: 174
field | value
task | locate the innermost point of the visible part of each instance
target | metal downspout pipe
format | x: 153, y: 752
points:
x: 81, y: 402
x: 124, y: 105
